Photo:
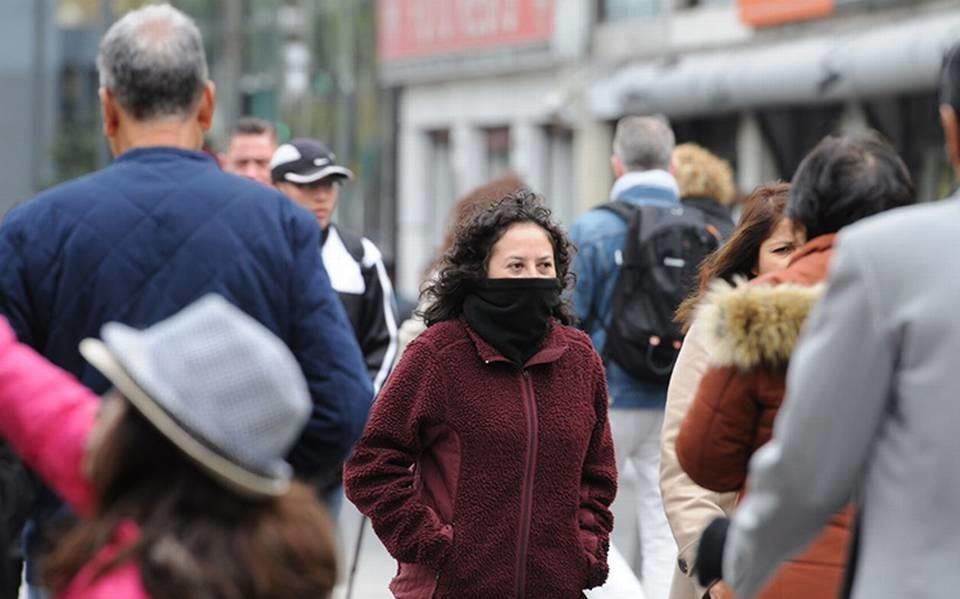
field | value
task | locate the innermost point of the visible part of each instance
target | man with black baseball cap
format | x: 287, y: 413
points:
x: 306, y: 171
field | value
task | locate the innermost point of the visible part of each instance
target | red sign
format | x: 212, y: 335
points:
x: 410, y: 29
x: 763, y: 13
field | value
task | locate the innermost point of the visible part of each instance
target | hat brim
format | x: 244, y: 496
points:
x: 321, y: 173
x: 231, y: 474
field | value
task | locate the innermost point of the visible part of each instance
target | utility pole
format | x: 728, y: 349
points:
x: 228, y: 84
x: 346, y: 104
x: 308, y: 12
x: 40, y: 74
x: 106, y: 19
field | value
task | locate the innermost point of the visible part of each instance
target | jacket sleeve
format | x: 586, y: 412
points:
x: 15, y: 303
x: 323, y: 342
x: 689, y: 506
x: 587, y: 269
x: 46, y: 416
x: 598, y: 485
x: 378, y: 329
x: 716, y: 438
x: 380, y: 477
x: 839, y: 386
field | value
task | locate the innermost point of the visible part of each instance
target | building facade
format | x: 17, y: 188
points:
x: 536, y: 86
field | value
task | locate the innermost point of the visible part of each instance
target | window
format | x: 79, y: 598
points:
x: 617, y: 10
x: 497, y: 142
x: 558, y: 173
x: 439, y: 182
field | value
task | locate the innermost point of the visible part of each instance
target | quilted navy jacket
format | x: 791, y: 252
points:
x: 157, y: 229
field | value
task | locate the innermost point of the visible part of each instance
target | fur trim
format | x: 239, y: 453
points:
x: 754, y: 325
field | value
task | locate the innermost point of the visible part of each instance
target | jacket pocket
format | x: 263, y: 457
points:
x: 414, y: 581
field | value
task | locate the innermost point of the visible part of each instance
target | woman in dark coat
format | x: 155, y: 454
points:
x: 487, y: 467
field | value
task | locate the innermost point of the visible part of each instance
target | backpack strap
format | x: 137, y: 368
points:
x: 624, y: 210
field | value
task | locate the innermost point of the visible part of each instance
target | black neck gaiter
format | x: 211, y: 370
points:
x: 512, y: 315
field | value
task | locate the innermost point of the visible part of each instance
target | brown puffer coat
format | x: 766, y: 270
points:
x: 752, y: 331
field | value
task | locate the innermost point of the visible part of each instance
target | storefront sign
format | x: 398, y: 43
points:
x: 411, y: 29
x: 763, y: 13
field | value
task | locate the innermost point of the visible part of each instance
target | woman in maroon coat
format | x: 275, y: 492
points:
x: 487, y: 467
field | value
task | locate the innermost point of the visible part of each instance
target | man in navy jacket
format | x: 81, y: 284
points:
x: 163, y: 225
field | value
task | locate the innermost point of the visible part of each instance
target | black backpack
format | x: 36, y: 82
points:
x: 658, y: 266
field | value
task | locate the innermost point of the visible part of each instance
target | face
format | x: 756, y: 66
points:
x: 776, y: 250
x: 112, y: 410
x: 320, y: 197
x: 249, y: 156
x: 523, y: 252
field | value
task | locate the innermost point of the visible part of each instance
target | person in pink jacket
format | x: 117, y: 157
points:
x: 179, y: 471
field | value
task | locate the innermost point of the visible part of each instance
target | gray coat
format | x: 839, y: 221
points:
x: 871, y: 413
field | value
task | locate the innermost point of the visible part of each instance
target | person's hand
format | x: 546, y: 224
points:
x: 720, y: 591
x: 710, y: 552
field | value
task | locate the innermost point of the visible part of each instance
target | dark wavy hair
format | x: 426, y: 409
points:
x: 465, y: 263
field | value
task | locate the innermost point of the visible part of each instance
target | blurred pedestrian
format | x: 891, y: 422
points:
x: 487, y: 467
x: 641, y: 161
x: 762, y: 243
x: 466, y: 207
x: 706, y: 183
x: 878, y: 356
x: 162, y: 226
x: 249, y: 150
x: 179, y: 472
x: 752, y: 330
x: 306, y: 171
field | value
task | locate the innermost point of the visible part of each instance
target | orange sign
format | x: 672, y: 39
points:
x: 763, y: 13
x: 425, y: 28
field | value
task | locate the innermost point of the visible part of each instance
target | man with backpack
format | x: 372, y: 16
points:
x: 637, y: 259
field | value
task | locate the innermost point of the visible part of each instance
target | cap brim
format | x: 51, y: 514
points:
x: 322, y: 173
x: 232, y: 475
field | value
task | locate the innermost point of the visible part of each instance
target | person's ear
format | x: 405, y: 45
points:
x: 617, y: 165
x: 208, y: 102
x: 951, y: 135
x: 110, y: 113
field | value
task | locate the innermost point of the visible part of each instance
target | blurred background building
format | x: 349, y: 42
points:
x: 536, y: 86
x: 425, y: 99
x: 310, y: 66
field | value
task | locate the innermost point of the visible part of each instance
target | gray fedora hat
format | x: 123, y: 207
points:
x: 217, y: 384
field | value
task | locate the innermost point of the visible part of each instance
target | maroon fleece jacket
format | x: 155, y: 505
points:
x: 486, y: 480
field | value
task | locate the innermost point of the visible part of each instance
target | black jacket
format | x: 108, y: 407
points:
x: 715, y: 213
x: 357, y: 274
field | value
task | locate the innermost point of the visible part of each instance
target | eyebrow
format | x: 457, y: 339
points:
x: 544, y: 257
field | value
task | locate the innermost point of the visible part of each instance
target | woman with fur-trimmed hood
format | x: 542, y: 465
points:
x: 751, y: 331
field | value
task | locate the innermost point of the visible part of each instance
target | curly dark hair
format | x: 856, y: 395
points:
x: 465, y: 263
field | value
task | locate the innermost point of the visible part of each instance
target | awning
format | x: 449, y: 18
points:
x: 901, y: 57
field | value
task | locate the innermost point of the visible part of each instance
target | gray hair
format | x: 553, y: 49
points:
x: 152, y: 61
x: 644, y: 143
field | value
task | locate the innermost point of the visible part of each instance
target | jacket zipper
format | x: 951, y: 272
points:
x: 526, y: 491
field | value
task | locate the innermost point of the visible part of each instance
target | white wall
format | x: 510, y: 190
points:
x: 524, y: 102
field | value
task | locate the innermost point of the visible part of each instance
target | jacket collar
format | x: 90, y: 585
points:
x: 656, y: 179
x: 748, y: 326
x: 161, y: 152
x: 553, y: 348
x: 823, y: 243
x: 707, y: 206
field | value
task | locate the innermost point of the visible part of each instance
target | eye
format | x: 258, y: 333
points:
x: 786, y: 249
x: 516, y: 266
